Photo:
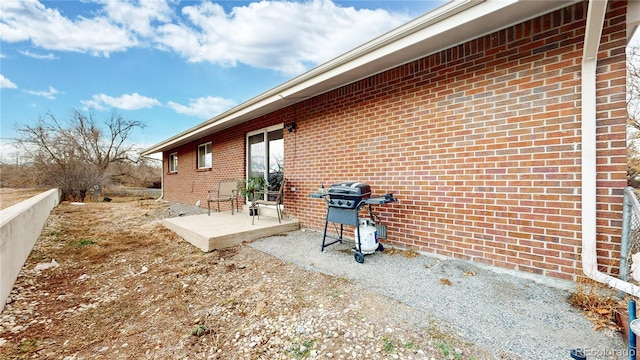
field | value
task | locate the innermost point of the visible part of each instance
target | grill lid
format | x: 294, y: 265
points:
x: 349, y: 189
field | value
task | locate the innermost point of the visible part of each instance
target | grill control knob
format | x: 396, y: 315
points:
x: 339, y: 202
x: 348, y: 203
x: 330, y: 201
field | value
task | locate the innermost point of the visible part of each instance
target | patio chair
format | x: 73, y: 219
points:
x: 277, y: 203
x: 227, y: 191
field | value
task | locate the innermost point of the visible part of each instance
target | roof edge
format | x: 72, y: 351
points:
x: 444, y: 18
x: 448, y: 9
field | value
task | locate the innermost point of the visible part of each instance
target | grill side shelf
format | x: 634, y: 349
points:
x: 379, y: 200
x: 318, y: 196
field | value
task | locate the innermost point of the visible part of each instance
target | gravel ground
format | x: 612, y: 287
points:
x: 500, y: 312
x: 176, y: 209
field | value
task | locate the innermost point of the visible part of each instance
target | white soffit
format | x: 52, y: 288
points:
x: 452, y: 24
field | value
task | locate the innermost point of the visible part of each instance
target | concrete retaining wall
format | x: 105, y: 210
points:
x: 20, y: 226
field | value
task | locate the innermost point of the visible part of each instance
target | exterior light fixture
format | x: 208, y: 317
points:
x: 291, y: 127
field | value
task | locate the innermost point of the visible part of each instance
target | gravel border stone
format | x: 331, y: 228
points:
x: 497, y: 311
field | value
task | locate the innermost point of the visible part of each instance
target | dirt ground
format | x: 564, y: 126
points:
x: 122, y: 287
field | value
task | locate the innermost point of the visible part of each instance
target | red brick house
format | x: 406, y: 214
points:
x: 473, y: 115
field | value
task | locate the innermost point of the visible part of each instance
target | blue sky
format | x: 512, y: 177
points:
x: 170, y: 64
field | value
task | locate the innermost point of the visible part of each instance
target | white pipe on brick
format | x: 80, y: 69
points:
x: 162, y: 177
x: 161, y: 183
x: 595, y: 22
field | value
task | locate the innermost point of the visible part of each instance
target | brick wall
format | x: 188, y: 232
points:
x: 480, y: 143
x: 189, y: 184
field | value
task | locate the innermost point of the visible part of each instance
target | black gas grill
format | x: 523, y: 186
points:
x: 348, y: 195
x: 344, y: 202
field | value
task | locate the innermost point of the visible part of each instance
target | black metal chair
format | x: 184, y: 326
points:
x: 255, y: 205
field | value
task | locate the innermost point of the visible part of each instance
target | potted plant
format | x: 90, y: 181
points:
x: 249, y: 189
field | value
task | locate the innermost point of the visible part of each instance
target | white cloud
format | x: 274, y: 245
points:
x: 49, y: 94
x: 204, y: 108
x: 6, y: 83
x: 49, y: 56
x: 46, y: 28
x: 201, y: 107
x: 285, y: 36
x: 139, y: 19
x: 133, y: 101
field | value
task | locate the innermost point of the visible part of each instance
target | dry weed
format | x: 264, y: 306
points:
x: 409, y: 253
x: 599, y: 304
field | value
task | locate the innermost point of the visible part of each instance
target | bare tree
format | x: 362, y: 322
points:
x: 145, y: 172
x: 77, y: 154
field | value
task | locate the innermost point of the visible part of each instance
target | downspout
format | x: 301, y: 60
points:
x: 593, y: 32
x: 161, y: 180
x: 161, y: 177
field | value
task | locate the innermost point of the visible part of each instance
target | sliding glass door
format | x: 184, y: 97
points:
x: 265, y: 156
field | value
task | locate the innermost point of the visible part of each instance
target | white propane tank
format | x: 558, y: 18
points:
x: 368, y: 236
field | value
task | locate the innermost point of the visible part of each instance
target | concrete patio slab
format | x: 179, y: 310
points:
x: 221, y: 230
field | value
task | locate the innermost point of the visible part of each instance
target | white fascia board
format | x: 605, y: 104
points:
x: 376, y: 47
x: 315, y: 76
x: 425, y: 36
x: 452, y: 24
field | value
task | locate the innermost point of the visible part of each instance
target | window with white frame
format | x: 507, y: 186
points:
x: 173, y: 162
x: 204, y: 156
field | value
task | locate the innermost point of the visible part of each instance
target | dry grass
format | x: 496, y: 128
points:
x: 127, y: 288
x: 409, y: 253
x: 11, y: 196
x: 599, y: 304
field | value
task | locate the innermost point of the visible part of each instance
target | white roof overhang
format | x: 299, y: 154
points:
x: 454, y: 23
